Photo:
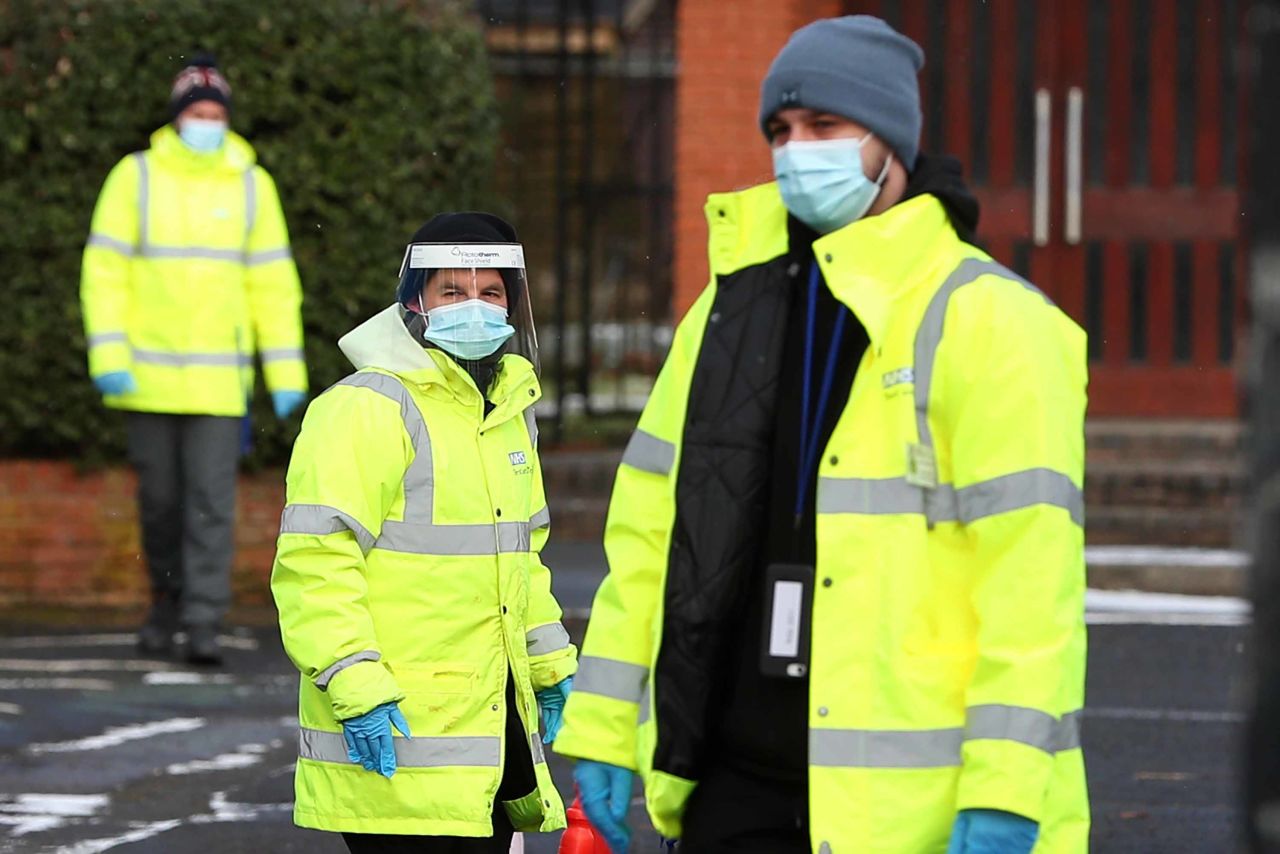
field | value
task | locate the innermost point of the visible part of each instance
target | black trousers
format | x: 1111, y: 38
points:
x: 518, y: 780
x: 389, y: 843
x: 186, y: 467
x: 733, y: 812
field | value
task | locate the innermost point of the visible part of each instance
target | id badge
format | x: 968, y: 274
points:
x: 784, y: 650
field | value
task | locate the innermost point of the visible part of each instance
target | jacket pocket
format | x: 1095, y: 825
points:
x: 439, y: 698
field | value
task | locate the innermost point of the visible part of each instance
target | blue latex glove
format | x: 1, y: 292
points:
x: 369, y: 739
x: 284, y: 402
x: 116, y: 382
x: 551, y: 702
x: 606, y: 797
x: 992, y: 832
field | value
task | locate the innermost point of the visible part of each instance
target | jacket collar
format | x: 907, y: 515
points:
x: 869, y: 265
x: 384, y: 343
x: 235, y: 156
x: 872, y: 264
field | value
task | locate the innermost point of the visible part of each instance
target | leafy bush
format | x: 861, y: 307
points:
x: 370, y: 115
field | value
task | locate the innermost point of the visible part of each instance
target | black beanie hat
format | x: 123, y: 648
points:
x: 466, y: 227
x: 199, y: 81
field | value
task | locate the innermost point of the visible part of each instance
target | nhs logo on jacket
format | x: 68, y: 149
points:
x: 517, y: 458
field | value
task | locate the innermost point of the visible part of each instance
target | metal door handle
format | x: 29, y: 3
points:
x: 1075, y: 164
x: 1040, y: 190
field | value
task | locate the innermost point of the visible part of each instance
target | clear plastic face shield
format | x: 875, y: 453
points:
x: 471, y: 301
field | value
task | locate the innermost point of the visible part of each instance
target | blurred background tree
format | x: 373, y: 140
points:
x: 370, y: 115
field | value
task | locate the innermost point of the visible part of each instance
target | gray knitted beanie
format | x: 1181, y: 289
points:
x: 857, y: 67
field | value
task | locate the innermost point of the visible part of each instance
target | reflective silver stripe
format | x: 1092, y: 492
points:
x: 322, y: 681
x: 940, y: 748
x: 531, y: 422
x: 868, y: 495
x: 929, y: 335
x: 282, y: 354
x: 1067, y: 734
x: 144, y: 198
x: 539, y: 755
x: 648, y: 453
x: 426, y: 538
x: 108, y: 338
x: 206, y: 253
x: 608, y: 677
x: 253, y: 259
x: 861, y: 748
x: 103, y: 242
x: 547, y: 639
x: 882, y: 496
x: 418, y: 752
x: 418, y: 533
x: 541, y: 519
x: 183, y: 360
x: 250, y: 202
x: 1031, y: 727
x: 1020, y: 490
x: 644, y: 703
x: 320, y: 520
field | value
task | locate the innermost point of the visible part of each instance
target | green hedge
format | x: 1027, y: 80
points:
x: 370, y: 116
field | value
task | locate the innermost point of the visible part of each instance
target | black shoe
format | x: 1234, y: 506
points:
x: 202, y: 646
x: 155, y: 639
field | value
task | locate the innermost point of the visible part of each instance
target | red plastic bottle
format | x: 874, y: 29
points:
x: 580, y: 837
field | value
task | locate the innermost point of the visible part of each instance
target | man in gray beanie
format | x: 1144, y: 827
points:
x: 845, y: 604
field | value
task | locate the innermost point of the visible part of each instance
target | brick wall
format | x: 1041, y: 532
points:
x: 723, y: 50
x: 69, y: 539
x: 72, y: 539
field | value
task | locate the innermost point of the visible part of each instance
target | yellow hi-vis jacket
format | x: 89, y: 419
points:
x: 186, y: 272
x: 408, y: 569
x: 948, y: 639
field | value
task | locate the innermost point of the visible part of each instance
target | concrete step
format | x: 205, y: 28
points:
x: 1178, y: 526
x: 1189, y: 571
x: 1188, y: 483
x: 1147, y: 439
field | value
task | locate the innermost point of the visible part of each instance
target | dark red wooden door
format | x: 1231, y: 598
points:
x: 1103, y: 139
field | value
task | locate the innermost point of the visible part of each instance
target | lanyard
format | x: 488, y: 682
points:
x: 809, y: 434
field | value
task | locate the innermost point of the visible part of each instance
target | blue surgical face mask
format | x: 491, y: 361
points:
x: 823, y: 184
x: 468, y: 330
x: 203, y: 135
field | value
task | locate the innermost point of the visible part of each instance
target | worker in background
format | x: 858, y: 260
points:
x: 187, y: 274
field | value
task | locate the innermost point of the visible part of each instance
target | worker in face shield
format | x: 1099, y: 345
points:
x: 411, y: 593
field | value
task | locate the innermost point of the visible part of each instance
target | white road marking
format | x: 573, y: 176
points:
x: 245, y: 756
x: 1135, y: 607
x: 30, y: 684
x: 115, y: 736
x: 232, y: 641
x: 1194, y: 716
x: 52, y: 641
x: 138, y: 834
x: 224, y: 810
x: 226, y: 641
x: 183, y: 677
x: 84, y: 665
x: 31, y: 812
x: 1163, y: 556
x: 10, y: 709
x: 1121, y: 618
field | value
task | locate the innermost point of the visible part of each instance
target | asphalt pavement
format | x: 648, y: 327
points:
x: 103, y: 751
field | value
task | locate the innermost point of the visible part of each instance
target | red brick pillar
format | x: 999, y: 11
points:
x: 724, y: 50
